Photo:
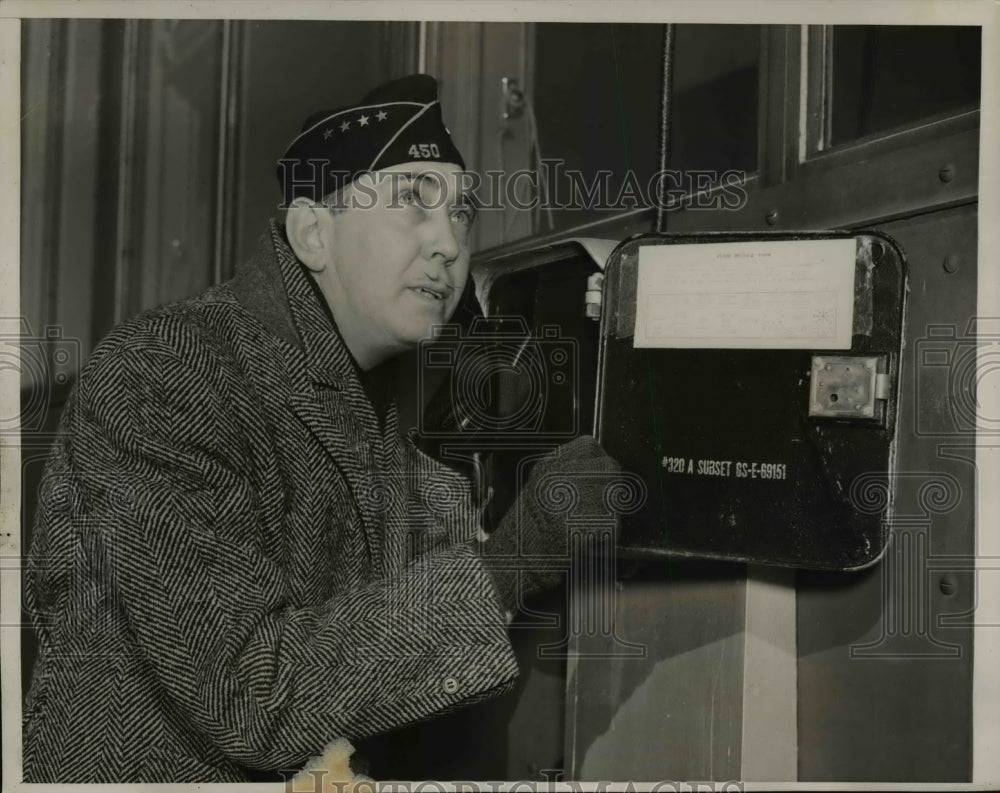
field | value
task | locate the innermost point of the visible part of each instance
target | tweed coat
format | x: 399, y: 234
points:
x: 233, y: 563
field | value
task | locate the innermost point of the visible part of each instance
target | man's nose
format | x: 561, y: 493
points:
x: 442, y: 241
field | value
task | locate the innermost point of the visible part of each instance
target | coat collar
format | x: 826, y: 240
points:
x: 321, y: 381
x: 274, y: 287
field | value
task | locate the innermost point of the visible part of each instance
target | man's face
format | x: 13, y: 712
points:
x: 398, y: 256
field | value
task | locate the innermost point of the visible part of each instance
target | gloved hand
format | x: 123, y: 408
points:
x: 530, y: 547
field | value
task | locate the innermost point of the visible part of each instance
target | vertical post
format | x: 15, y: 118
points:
x: 125, y: 217
x: 770, y: 665
x: 227, y: 174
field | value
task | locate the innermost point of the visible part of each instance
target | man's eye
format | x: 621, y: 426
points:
x: 463, y: 215
x: 411, y: 196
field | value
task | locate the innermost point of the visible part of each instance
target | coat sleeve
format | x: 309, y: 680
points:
x: 268, y: 683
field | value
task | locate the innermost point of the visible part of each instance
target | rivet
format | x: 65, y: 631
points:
x: 771, y: 217
x: 951, y: 263
x: 948, y: 585
x: 947, y: 173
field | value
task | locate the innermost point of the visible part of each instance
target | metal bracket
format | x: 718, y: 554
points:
x: 593, y: 297
x: 847, y: 386
x: 512, y: 100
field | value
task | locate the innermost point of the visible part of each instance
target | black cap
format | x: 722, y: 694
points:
x: 396, y: 122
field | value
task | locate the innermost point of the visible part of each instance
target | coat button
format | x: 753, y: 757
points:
x: 450, y: 685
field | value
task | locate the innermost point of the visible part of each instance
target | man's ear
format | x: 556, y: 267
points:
x: 303, y: 225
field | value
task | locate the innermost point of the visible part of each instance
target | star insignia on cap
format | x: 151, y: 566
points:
x: 327, y: 133
x: 363, y: 121
x: 344, y: 126
x: 381, y: 115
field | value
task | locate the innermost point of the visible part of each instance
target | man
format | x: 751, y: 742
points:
x: 237, y: 558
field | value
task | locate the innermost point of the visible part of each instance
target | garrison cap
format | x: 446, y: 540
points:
x: 397, y: 122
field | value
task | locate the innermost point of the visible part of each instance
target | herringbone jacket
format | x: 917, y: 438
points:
x: 233, y: 564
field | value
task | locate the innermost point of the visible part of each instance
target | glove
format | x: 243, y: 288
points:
x: 530, y: 546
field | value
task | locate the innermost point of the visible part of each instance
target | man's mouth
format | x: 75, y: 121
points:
x: 430, y: 293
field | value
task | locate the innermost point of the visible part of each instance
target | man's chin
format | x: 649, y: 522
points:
x: 427, y: 330
x: 411, y: 337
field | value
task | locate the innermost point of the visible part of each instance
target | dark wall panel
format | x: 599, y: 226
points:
x: 293, y: 69
x: 885, y: 657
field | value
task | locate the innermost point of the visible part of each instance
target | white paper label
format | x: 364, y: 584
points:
x: 796, y: 294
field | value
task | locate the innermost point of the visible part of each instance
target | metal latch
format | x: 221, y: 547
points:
x: 847, y: 386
